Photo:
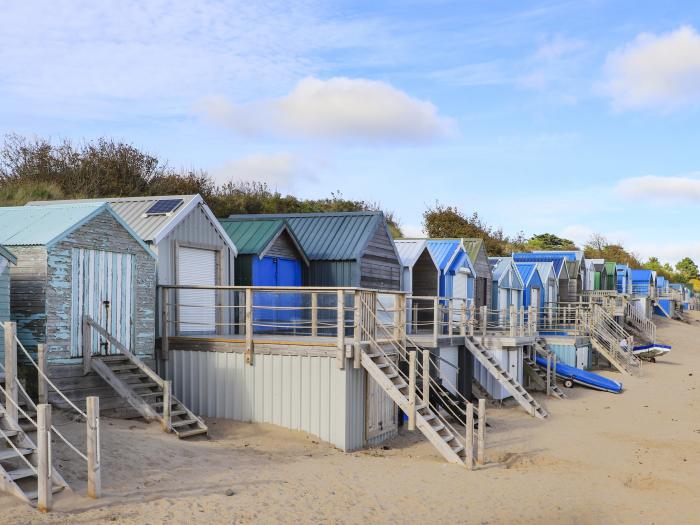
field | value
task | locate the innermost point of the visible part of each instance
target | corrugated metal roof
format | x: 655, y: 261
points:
x: 252, y: 236
x: 133, y: 209
x: 40, y: 225
x: 610, y: 267
x: 442, y: 251
x: 642, y: 275
x: 570, y: 255
x: 556, y: 260
x: 473, y: 246
x: 545, y: 269
x: 334, y: 236
x: 502, y: 265
x: 7, y: 254
x: 410, y: 250
x: 526, y: 271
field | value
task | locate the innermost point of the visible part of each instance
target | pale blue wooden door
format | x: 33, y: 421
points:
x: 103, y: 284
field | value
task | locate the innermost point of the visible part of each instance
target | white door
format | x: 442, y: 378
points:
x: 535, y: 298
x: 582, y: 357
x: 459, y: 293
x: 196, y: 311
x: 102, y: 288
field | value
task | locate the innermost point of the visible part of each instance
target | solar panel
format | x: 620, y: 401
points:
x: 164, y: 206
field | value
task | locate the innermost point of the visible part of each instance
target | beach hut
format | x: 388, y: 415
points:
x: 561, y: 270
x: 476, y: 249
x: 550, y: 282
x: 595, y: 275
x: 191, y: 247
x: 611, y: 275
x: 643, y: 290
x: 75, y: 260
x: 456, y: 269
x: 420, y: 277
x: 507, y: 285
x: 345, y: 248
x: 533, y: 287
x: 576, y: 266
x: 7, y: 259
x: 624, y: 279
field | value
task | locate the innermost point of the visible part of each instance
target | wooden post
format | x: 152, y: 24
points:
x: 463, y: 320
x: 412, y: 390
x: 549, y: 373
x: 357, y: 327
x: 43, y: 437
x: 521, y: 321
x: 484, y: 322
x: 426, y: 377
x: 436, y: 320
x: 94, y: 485
x: 167, y: 404
x: 249, y: 326
x: 314, y: 314
x: 403, y: 316
x: 164, y: 329
x: 481, y: 431
x: 450, y: 310
x: 340, y: 329
x: 469, y: 437
x: 11, y: 390
x: 532, y: 320
x: 87, y: 345
x: 513, y: 320
x: 472, y: 318
x: 43, y: 386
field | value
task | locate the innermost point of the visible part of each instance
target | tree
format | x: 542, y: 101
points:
x: 687, y: 269
x: 549, y: 241
x: 595, y: 246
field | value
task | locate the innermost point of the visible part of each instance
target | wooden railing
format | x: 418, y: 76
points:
x: 644, y: 325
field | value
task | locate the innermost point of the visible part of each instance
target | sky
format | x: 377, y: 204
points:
x: 568, y: 117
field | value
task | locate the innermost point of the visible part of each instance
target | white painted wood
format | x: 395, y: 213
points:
x: 44, y: 470
x: 94, y: 484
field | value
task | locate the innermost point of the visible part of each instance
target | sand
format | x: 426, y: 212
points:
x: 599, y: 458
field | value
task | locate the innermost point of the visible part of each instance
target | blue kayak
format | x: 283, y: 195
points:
x: 651, y: 351
x: 582, y: 377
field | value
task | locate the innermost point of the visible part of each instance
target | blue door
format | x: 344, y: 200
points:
x: 276, y: 271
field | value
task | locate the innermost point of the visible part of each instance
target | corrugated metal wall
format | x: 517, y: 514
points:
x: 305, y: 393
x: 511, y: 359
x: 332, y: 273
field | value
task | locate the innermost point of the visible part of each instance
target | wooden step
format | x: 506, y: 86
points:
x: 189, y: 433
x: 9, y: 433
x: 34, y: 494
x: 20, y: 473
x: 9, y: 453
x: 183, y: 423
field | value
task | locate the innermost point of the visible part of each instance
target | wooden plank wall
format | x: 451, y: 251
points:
x: 28, y: 294
x: 379, y: 265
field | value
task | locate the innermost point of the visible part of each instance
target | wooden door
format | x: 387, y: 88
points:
x: 103, y: 288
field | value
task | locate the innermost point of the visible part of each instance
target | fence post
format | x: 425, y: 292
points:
x: 164, y: 329
x: 463, y: 319
x: 481, y: 431
x: 426, y: 376
x: 512, y: 320
x: 249, y: 326
x: 436, y: 320
x: 11, y: 390
x: 450, y: 310
x: 87, y: 346
x: 314, y: 314
x: 412, y: 390
x: 521, y: 322
x: 340, y: 328
x: 43, y: 386
x: 549, y: 373
x: 94, y: 486
x: 472, y: 318
x: 484, y: 322
x: 43, y: 471
x: 469, y: 437
x: 167, y: 404
x: 357, y: 361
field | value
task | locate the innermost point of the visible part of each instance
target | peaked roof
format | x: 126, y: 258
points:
x: 572, y: 255
x: 443, y: 251
x: 253, y: 236
x: 473, y: 247
x: 332, y: 236
x: 151, y: 228
x: 610, y: 267
x: 410, y: 250
x: 641, y: 275
x: 45, y: 225
x: 546, y: 268
x: 503, y: 267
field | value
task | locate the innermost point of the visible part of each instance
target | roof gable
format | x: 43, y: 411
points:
x: 410, y: 250
x: 254, y: 236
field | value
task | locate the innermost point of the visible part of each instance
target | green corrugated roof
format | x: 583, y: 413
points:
x: 333, y: 236
x: 610, y: 267
x: 251, y: 237
x: 473, y: 246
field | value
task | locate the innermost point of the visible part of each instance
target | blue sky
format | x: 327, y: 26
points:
x: 566, y: 117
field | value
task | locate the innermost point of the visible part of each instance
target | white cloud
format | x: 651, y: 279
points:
x: 281, y: 171
x: 656, y: 71
x: 661, y: 189
x: 337, y: 109
x: 669, y: 251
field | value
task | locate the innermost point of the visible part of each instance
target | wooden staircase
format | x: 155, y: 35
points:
x: 382, y: 368
x: 143, y: 389
x: 606, y: 336
x: 515, y: 389
x: 645, y: 327
x: 540, y: 347
x: 19, y: 461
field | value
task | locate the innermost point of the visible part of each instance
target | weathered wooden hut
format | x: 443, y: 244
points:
x: 191, y: 247
x: 7, y: 259
x: 533, y: 287
x: 75, y: 260
x: 345, y: 248
x: 550, y: 282
x: 476, y: 249
x: 420, y: 275
x: 611, y: 273
x: 561, y: 270
x: 507, y: 284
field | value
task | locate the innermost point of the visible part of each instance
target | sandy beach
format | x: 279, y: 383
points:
x: 599, y: 458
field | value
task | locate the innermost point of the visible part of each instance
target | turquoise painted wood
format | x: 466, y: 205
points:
x: 103, y: 284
